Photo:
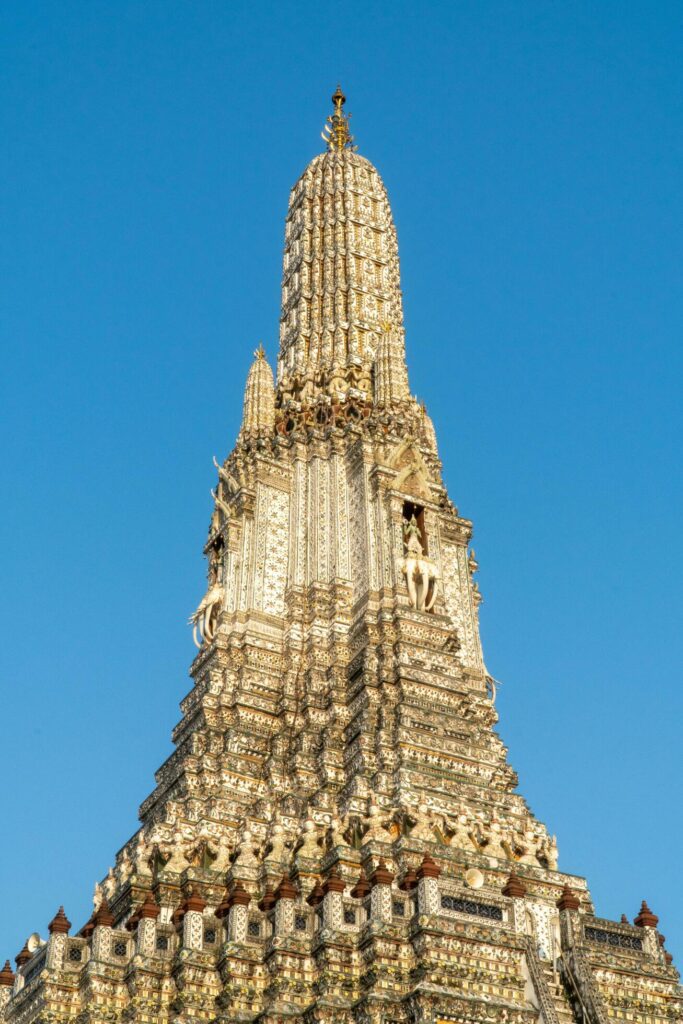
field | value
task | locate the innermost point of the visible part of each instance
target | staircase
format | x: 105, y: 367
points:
x: 552, y: 998
x: 557, y: 993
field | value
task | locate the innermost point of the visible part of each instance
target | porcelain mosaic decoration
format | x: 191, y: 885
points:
x: 337, y: 836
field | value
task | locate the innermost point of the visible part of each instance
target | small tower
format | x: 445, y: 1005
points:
x: 428, y: 429
x: 258, y: 417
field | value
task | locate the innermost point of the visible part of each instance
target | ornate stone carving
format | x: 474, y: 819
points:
x: 422, y: 577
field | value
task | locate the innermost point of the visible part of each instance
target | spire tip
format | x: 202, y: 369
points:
x: 336, y: 131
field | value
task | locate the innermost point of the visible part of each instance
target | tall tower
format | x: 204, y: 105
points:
x: 337, y: 836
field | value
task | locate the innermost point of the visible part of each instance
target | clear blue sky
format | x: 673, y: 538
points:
x: 533, y: 155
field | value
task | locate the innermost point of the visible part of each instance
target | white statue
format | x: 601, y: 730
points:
x: 227, y: 479
x: 309, y: 844
x: 205, y: 619
x: 98, y: 895
x: 109, y: 884
x: 422, y: 578
x: 125, y: 867
x: 278, y: 843
x: 459, y: 828
x: 245, y: 856
x: 547, y: 852
x: 423, y: 824
x: 142, y: 854
x: 375, y: 827
x: 174, y: 853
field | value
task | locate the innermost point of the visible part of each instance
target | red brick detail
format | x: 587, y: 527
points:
x: 267, y: 901
x: 60, y: 924
x: 7, y: 975
x: 381, y: 875
x: 409, y: 881
x: 362, y: 887
x: 428, y: 868
x: 286, y: 890
x: 315, y: 896
x: 514, y: 887
x: 568, y: 900
x: 104, y: 917
x: 239, y: 897
x: 646, y: 919
x: 333, y: 882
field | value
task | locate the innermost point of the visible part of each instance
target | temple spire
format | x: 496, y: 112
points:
x: 258, y: 415
x: 341, y: 279
x: 336, y: 131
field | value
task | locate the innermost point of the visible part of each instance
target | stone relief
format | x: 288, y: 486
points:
x: 422, y: 577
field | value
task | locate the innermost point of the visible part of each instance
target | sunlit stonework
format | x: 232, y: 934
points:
x: 337, y: 836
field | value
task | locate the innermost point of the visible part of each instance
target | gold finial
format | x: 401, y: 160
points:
x: 336, y: 131
x: 260, y: 352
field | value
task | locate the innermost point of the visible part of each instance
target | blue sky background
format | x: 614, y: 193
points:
x: 533, y: 156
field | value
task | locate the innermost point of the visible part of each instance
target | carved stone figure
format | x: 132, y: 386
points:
x: 412, y: 536
x: 422, y: 824
x: 375, y: 828
x: 422, y: 581
x: 205, y: 619
x: 310, y: 841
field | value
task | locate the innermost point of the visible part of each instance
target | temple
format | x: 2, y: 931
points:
x: 337, y: 836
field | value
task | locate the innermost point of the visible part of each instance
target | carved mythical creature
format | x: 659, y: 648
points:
x: 422, y: 578
x: 494, y: 840
x: 422, y: 824
x: 174, y: 855
x: 376, y: 828
x: 458, y: 829
x: 245, y: 856
x: 525, y: 844
x: 142, y: 854
x: 309, y: 843
x: 205, y: 619
x: 98, y: 893
x: 278, y: 846
x: 229, y: 481
x: 547, y: 852
x: 109, y: 884
x: 336, y: 833
x: 124, y: 867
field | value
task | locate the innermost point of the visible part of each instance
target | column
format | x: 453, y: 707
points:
x: 56, y: 944
x: 146, y: 938
x: 428, y: 894
x: 101, y: 936
x: 333, y: 907
x: 285, y: 895
x: 193, y: 922
x: 380, y: 895
x: 238, y: 917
